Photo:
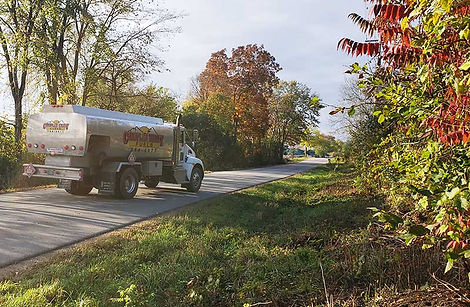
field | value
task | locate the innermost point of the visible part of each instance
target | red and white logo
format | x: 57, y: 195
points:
x: 131, y: 158
x: 29, y: 170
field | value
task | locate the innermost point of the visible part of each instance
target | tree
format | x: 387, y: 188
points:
x: 9, y: 158
x: 18, y: 20
x: 247, y: 77
x: 218, y: 150
x: 364, y: 130
x: 322, y: 144
x: 149, y: 101
x: 217, y: 105
x: 293, y: 108
x: 84, y: 44
x: 155, y: 102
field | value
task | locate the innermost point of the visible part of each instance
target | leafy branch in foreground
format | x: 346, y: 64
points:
x: 421, y: 89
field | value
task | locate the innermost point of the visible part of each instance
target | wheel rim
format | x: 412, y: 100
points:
x: 129, y: 184
x: 196, y: 179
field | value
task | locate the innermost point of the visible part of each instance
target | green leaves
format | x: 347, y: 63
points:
x: 418, y: 230
x: 453, y: 193
x: 465, y: 66
x: 420, y: 158
x: 381, y: 119
x: 386, y: 217
x: 352, y: 111
x: 465, y: 33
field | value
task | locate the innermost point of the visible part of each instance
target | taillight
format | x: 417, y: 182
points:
x: 30, y: 145
x: 43, y: 146
x: 80, y: 148
x: 66, y: 147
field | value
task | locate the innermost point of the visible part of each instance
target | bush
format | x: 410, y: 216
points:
x: 214, y: 147
x: 12, y: 157
x: 10, y: 154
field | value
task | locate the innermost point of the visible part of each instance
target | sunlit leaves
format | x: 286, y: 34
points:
x: 423, y: 96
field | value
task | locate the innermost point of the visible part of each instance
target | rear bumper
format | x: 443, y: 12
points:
x: 55, y: 172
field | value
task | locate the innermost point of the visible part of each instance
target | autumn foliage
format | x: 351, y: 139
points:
x: 240, y: 90
x: 422, y: 89
x: 247, y: 77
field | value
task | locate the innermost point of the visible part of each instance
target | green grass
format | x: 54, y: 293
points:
x: 290, y: 160
x: 261, y: 245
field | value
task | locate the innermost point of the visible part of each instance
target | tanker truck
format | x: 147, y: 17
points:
x: 111, y: 151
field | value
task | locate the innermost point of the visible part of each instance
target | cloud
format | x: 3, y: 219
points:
x: 301, y: 34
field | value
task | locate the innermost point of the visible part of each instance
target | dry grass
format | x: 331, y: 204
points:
x: 285, y: 243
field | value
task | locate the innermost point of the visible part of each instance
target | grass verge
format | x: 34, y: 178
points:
x: 260, y: 246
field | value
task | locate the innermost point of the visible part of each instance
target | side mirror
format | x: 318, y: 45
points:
x: 195, y: 135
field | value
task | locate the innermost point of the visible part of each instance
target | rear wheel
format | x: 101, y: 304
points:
x: 127, y: 184
x: 79, y: 188
x: 195, y: 181
x: 151, y: 182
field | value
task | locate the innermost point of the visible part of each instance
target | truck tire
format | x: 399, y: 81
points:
x: 79, y: 188
x: 195, y: 181
x: 151, y: 182
x: 127, y: 183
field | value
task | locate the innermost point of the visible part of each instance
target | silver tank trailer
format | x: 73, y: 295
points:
x: 70, y: 131
x: 111, y: 151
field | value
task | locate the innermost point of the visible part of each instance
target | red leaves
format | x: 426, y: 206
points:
x: 390, y: 12
x: 463, y: 10
x: 452, y: 123
x: 400, y: 55
x: 368, y: 27
x: 457, y: 245
x: 337, y: 111
x: 386, y: 23
x: 357, y: 49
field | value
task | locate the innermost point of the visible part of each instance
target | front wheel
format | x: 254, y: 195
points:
x: 127, y: 184
x: 79, y: 188
x: 195, y: 181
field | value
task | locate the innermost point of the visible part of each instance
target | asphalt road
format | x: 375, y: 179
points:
x: 35, y: 222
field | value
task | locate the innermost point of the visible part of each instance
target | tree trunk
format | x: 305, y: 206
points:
x: 18, y: 117
x: 281, y: 152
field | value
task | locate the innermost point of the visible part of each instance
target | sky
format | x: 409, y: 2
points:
x: 301, y: 34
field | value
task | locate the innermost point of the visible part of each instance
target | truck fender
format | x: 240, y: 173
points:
x: 115, y: 167
x: 190, y: 163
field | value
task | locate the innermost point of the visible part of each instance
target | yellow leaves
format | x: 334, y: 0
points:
x: 446, y: 4
x: 404, y: 24
x: 465, y: 66
x: 465, y: 33
x: 460, y: 86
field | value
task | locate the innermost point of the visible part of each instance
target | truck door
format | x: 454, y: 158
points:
x: 181, y: 142
x: 179, y: 155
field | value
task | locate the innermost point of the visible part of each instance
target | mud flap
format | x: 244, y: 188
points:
x: 65, y: 184
x: 107, y: 183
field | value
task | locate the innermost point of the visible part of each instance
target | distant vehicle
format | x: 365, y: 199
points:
x: 310, y: 153
x: 111, y: 151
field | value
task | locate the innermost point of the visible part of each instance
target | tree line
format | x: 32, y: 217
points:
x: 97, y: 53
x: 88, y: 52
x: 255, y: 113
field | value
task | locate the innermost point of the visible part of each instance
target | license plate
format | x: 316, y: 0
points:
x: 55, y: 150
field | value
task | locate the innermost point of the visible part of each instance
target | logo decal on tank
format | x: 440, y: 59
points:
x: 55, y: 126
x: 143, y: 139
